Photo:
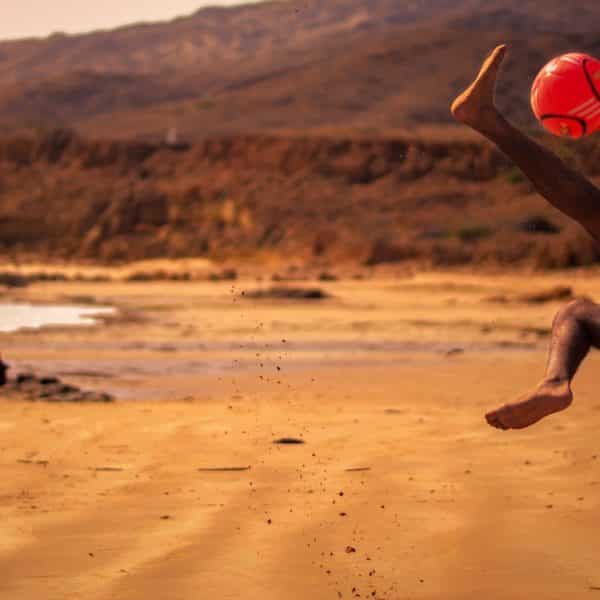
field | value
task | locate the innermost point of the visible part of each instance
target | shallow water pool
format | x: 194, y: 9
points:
x: 15, y: 316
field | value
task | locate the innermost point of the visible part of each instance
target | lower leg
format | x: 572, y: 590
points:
x: 563, y: 187
x: 575, y: 330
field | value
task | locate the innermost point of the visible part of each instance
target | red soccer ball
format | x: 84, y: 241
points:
x: 565, y: 95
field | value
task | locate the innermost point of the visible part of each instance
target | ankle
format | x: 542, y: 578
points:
x: 556, y: 381
x: 561, y: 391
x: 497, y: 128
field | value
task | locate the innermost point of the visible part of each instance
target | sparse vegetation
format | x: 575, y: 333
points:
x: 473, y: 233
x: 141, y: 276
x: 206, y: 104
x: 515, y: 176
x: 538, y: 224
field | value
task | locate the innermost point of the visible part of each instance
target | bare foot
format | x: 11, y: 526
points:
x: 547, y: 398
x: 475, y: 106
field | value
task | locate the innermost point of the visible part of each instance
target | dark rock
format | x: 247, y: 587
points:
x: 25, y: 377
x: 52, y: 389
x: 3, y: 369
x: 551, y: 295
x: 67, y: 389
x: 454, y: 351
x: 288, y: 293
x: 13, y: 280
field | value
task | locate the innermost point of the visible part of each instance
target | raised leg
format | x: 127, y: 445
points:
x: 575, y: 330
x: 563, y: 187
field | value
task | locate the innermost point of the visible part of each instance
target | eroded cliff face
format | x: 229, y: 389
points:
x: 308, y: 199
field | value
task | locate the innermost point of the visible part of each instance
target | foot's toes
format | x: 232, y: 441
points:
x: 492, y: 62
x: 489, y: 70
x: 495, y: 420
x: 474, y: 104
x: 497, y: 55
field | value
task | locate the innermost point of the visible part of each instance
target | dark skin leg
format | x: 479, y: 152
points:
x: 577, y: 327
x: 563, y: 187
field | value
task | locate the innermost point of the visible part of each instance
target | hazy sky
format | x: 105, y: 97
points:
x: 24, y: 18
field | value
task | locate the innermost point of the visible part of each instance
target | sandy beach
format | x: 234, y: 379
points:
x: 400, y: 489
x: 265, y: 268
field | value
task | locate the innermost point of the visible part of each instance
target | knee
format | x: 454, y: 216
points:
x: 575, y: 310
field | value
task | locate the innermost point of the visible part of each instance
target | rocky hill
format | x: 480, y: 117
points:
x: 292, y: 64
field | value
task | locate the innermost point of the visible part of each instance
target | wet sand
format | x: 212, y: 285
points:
x: 399, y: 491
